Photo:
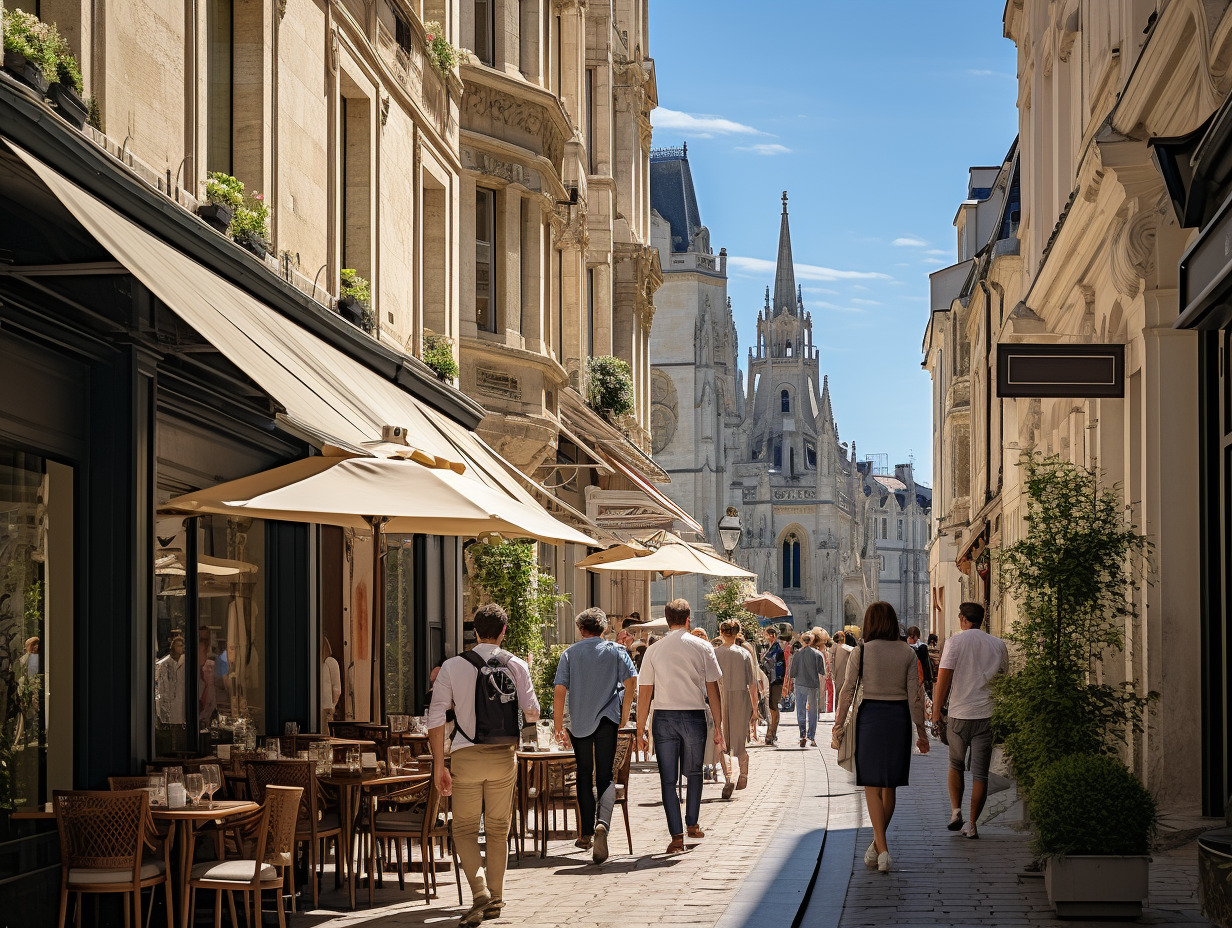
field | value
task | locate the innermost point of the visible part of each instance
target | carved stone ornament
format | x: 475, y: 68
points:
x: 384, y: 108
x: 1133, y: 250
x: 483, y: 102
x: 333, y: 50
x: 508, y: 171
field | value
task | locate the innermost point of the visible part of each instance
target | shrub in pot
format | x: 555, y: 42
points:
x: 438, y: 355
x: 250, y: 225
x: 355, y: 299
x: 26, y: 53
x: 223, y: 196
x: 66, y: 90
x: 1094, y: 823
x: 609, y: 386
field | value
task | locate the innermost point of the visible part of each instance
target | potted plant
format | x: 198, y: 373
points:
x: 223, y: 196
x: 250, y: 225
x: 1094, y: 823
x: 441, y: 53
x: 354, y: 299
x: 508, y: 572
x: 609, y: 386
x: 438, y: 355
x: 26, y: 55
x: 66, y: 90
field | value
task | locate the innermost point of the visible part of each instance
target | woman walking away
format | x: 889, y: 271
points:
x: 886, y: 669
x: 739, y: 687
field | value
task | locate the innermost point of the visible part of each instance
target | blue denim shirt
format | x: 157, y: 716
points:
x: 593, y: 672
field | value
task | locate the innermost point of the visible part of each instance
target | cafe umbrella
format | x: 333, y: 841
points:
x: 405, y: 492
x: 767, y: 605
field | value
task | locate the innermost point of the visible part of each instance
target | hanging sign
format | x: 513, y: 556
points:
x: 1078, y: 371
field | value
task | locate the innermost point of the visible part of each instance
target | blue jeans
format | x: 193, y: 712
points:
x: 807, y: 700
x: 680, y: 745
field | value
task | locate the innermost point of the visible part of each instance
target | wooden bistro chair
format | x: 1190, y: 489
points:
x: 621, y: 765
x: 315, y: 825
x: 270, y: 834
x: 410, y: 814
x: 103, y: 839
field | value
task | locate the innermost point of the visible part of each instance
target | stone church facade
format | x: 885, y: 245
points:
x: 770, y: 447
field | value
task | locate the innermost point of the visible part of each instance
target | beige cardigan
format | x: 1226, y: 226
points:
x: 891, y: 673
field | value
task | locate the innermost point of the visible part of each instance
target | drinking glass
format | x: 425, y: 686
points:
x: 212, y: 774
x: 194, y: 784
x: 174, y: 775
x: 273, y: 749
x: 158, y: 790
x: 352, y: 759
x: 419, y: 725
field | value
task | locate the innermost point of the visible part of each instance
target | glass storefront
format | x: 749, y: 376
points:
x: 400, y: 645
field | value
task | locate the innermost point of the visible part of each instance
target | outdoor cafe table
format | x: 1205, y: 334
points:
x: 533, y: 774
x: 184, y: 824
x: 350, y: 785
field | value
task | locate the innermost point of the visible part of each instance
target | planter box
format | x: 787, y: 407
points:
x: 68, y: 104
x: 352, y: 310
x: 216, y: 217
x: 254, y: 243
x: 1102, y: 886
x: 1215, y: 876
x: 25, y: 70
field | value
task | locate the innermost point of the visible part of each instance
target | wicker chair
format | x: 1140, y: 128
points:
x: 103, y: 838
x: 315, y: 824
x: 271, y: 835
x: 620, y: 777
x: 410, y: 813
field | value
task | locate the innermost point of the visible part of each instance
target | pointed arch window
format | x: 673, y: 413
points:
x: 778, y: 455
x: 785, y: 401
x: 791, y: 562
x: 789, y: 349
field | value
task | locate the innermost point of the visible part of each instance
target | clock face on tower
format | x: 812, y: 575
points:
x: 663, y: 411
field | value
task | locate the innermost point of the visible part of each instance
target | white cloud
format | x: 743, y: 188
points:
x: 765, y: 148
x: 865, y: 302
x: 695, y: 123
x: 858, y: 287
x: 762, y: 267
x: 910, y: 241
x: 938, y: 252
x: 822, y: 290
x: 984, y: 72
x: 837, y: 308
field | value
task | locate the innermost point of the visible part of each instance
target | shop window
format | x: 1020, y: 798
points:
x: 401, y: 647
x: 791, y: 562
x: 36, y: 625
x: 485, y: 240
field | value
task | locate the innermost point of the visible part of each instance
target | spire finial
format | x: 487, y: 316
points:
x: 686, y: 151
x: 784, y: 202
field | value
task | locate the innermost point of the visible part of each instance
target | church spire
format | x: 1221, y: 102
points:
x: 784, y: 271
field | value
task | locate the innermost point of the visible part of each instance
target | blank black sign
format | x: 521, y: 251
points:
x: 1078, y: 371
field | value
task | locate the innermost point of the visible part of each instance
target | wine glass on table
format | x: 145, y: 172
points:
x: 194, y: 785
x: 212, y: 774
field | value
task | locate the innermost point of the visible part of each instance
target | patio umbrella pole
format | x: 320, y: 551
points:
x: 378, y: 617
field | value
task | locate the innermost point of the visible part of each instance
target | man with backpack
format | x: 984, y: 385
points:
x: 485, y: 687
x: 921, y: 653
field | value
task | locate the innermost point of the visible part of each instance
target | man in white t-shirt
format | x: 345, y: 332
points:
x: 968, y: 664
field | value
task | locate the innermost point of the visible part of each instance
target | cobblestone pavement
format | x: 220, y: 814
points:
x: 940, y: 878
x: 639, y: 890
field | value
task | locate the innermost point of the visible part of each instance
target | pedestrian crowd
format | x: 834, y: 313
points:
x: 696, y: 704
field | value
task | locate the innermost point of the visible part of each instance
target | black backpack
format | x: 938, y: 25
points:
x: 496, y: 701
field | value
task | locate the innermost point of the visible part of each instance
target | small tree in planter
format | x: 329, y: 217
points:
x: 1094, y: 823
x: 250, y: 225
x: 1073, y: 574
x: 438, y: 355
x: 223, y: 196
x: 609, y: 386
x: 355, y: 299
x: 726, y: 600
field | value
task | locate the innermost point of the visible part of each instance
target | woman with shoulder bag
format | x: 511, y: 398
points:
x: 885, y: 669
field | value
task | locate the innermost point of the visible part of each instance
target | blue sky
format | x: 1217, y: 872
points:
x: 868, y: 112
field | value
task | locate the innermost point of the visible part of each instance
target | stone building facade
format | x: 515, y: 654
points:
x: 902, y: 520
x: 1093, y: 254
x: 770, y: 446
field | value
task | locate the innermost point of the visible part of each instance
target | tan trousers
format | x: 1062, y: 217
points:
x: 483, y: 779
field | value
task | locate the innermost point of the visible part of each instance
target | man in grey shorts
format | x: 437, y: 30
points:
x: 968, y: 664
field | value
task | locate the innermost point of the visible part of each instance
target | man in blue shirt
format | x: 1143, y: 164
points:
x: 592, y: 673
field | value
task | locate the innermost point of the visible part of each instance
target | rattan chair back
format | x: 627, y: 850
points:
x: 301, y: 773
x: 102, y: 830
x: 284, y: 804
x: 118, y: 783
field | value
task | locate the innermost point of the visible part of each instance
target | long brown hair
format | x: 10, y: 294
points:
x: 880, y: 622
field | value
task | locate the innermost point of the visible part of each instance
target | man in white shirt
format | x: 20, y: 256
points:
x: 480, y: 776
x: 970, y: 661
x: 171, y: 732
x: 677, y: 674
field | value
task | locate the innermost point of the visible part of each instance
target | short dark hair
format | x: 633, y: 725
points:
x: 490, y: 620
x: 591, y: 620
x: 913, y: 631
x: 880, y: 622
x: 932, y: 639
x: 972, y: 612
x: 677, y: 612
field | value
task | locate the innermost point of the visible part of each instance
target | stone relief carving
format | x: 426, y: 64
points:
x: 1133, y: 250
x: 486, y: 103
x: 508, y: 171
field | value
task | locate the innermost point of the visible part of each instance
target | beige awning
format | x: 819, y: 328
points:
x: 657, y: 496
x: 679, y: 558
x: 325, y: 392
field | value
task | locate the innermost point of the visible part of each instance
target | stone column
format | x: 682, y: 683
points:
x: 534, y: 308
x: 509, y: 294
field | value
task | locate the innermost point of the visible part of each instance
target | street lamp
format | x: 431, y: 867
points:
x: 730, y: 530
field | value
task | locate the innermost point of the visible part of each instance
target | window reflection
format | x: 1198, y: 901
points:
x: 400, y: 649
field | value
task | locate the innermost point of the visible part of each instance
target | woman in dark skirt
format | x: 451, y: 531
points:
x: 887, y: 671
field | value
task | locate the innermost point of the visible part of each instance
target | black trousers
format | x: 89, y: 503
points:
x: 595, y: 754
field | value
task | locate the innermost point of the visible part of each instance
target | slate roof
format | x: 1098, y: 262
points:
x: 672, y: 195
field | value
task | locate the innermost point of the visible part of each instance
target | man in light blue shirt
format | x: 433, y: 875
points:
x: 592, y: 674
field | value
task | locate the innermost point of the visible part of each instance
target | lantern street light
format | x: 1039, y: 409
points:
x: 730, y: 530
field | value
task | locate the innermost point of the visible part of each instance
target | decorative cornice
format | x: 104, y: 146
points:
x: 484, y: 102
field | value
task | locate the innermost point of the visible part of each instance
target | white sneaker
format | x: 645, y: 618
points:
x: 883, y: 861
x: 870, y: 856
